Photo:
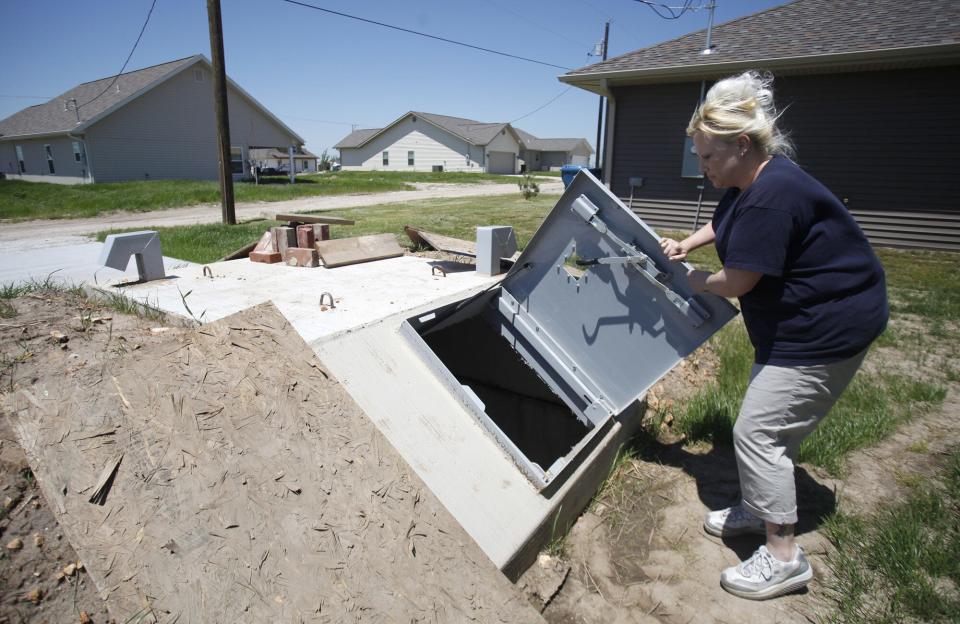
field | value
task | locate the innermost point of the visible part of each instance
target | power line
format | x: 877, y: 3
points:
x: 421, y: 34
x: 537, y: 24
x: 672, y: 12
x: 129, y: 56
x: 537, y: 110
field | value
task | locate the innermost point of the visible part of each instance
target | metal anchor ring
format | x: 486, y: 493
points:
x: 208, y: 272
x: 326, y: 294
x: 434, y: 270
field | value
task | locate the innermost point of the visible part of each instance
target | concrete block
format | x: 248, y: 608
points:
x: 143, y: 246
x: 320, y: 232
x: 266, y: 243
x: 286, y: 237
x: 494, y: 242
x: 298, y: 256
x: 305, y: 236
x: 267, y: 257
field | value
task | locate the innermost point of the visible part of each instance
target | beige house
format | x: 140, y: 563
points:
x: 153, y: 123
x: 420, y: 141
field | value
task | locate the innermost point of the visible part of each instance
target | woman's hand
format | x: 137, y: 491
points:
x: 675, y: 251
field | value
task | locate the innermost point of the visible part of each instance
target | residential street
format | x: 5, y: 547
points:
x: 55, y: 232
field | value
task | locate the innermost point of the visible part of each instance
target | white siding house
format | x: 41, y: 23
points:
x: 153, y: 123
x: 420, y: 141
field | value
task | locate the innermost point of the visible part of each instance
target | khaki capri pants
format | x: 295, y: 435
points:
x: 782, y: 406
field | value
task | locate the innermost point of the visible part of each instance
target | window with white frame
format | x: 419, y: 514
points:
x: 20, y: 164
x: 77, y: 152
x: 386, y: 158
x: 410, y: 158
x: 49, y: 152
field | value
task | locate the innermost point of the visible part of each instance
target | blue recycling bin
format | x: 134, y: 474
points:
x: 568, y: 173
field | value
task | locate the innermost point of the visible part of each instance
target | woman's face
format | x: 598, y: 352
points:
x: 719, y: 160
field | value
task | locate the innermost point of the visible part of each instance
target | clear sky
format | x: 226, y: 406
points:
x: 320, y: 73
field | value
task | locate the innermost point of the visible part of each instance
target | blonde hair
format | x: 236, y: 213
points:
x: 742, y: 105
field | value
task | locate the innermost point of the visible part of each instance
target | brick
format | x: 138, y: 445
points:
x: 286, y: 237
x: 266, y: 243
x: 305, y: 236
x: 267, y: 257
x: 321, y: 232
x: 298, y: 256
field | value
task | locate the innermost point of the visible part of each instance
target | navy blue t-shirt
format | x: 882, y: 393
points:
x: 823, y: 296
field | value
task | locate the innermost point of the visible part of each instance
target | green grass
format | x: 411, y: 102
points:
x: 39, y: 200
x: 452, y: 217
x: 901, y: 563
x: 924, y: 283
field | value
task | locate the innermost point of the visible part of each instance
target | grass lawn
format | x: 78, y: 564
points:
x: 39, y: 200
x: 452, y: 217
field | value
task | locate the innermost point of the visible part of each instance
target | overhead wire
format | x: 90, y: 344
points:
x: 537, y: 110
x: 129, y: 56
x: 672, y: 12
x: 422, y: 34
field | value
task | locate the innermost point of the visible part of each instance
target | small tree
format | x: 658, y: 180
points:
x: 325, y: 161
x: 528, y: 187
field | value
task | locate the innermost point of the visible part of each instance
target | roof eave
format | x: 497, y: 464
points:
x: 39, y: 135
x: 597, y: 81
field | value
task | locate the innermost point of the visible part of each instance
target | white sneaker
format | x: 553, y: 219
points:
x: 764, y: 576
x: 733, y: 521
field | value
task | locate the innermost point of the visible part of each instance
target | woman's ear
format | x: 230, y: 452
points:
x: 743, y: 144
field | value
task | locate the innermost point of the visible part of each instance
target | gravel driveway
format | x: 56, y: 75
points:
x: 52, y: 232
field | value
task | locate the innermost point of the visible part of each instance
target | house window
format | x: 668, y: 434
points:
x: 49, y: 153
x: 20, y: 164
x: 236, y: 160
x: 386, y: 158
x: 198, y: 75
x: 410, y: 158
x: 77, y: 152
x: 304, y: 165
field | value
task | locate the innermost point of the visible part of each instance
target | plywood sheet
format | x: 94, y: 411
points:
x: 441, y: 243
x: 250, y: 487
x: 344, y: 251
x: 302, y: 218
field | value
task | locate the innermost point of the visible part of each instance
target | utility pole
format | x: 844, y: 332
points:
x: 220, y: 104
x: 603, y: 53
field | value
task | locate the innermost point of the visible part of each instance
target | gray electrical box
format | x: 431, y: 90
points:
x: 591, y: 315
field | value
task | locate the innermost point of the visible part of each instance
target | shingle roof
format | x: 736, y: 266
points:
x: 55, y: 116
x: 803, y: 28
x: 267, y: 152
x: 475, y: 132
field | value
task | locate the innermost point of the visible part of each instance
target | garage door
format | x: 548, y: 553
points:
x: 501, y: 162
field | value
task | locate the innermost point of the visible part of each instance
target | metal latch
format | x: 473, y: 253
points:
x: 690, y: 308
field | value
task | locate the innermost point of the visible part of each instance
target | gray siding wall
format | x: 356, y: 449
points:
x: 35, y: 159
x: 170, y: 133
x: 883, y: 142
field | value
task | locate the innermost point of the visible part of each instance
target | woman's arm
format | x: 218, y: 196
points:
x: 678, y: 251
x: 725, y: 282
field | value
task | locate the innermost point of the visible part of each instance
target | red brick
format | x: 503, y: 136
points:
x: 268, y: 257
x: 321, y: 232
x: 298, y: 256
x: 305, y: 237
x: 267, y: 242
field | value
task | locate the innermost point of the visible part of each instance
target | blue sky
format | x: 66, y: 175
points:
x: 311, y: 68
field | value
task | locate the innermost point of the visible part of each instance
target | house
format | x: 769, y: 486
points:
x: 420, y: 141
x: 153, y: 123
x: 266, y: 158
x: 868, y: 90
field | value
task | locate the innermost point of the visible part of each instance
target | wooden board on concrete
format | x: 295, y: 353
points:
x: 441, y: 243
x: 302, y: 218
x: 252, y: 488
x: 344, y: 251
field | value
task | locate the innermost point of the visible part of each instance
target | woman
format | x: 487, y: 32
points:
x: 813, y: 298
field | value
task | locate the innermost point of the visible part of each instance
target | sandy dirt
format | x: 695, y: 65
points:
x: 48, y: 232
x: 638, y: 554
x: 251, y: 486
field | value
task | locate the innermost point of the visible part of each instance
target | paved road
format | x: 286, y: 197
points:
x: 47, y: 233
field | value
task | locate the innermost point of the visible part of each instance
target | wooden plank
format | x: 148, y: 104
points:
x: 262, y: 497
x: 344, y: 251
x: 302, y: 218
x: 440, y: 242
x: 243, y: 252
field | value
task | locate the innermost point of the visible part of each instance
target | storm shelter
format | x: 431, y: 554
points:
x: 591, y: 315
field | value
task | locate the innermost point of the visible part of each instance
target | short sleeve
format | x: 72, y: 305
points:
x: 759, y: 240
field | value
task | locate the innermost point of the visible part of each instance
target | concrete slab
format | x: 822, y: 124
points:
x: 361, y: 293
x: 75, y: 263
